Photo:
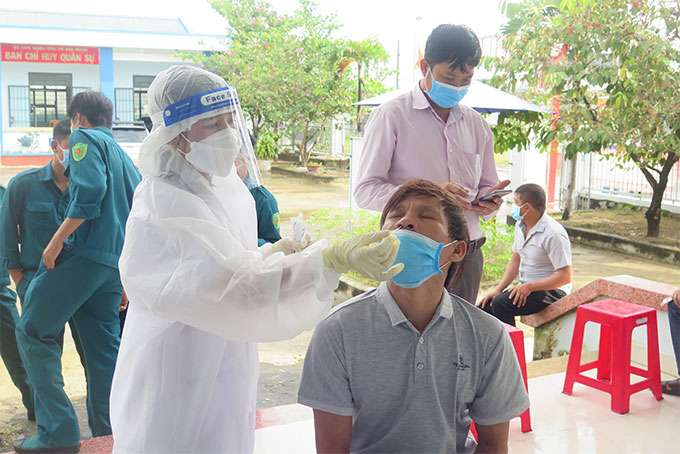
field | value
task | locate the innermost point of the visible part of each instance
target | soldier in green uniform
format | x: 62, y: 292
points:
x: 34, y: 199
x: 268, y: 217
x: 78, y: 278
x: 9, y: 316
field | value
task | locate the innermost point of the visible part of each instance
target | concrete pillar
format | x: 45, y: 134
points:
x: 106, y: 72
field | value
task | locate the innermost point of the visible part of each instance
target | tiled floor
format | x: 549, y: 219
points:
x: 580, y: 423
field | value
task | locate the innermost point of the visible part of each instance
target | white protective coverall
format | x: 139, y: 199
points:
x: 201, y: 293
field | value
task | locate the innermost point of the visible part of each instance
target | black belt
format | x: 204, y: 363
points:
x: 476, y: 244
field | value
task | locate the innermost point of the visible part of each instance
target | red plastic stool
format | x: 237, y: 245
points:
x: 517, y: 338
x: 617, y: 320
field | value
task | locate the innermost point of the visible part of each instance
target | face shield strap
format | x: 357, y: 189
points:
x: 198, y: 104
x: 156, y: 118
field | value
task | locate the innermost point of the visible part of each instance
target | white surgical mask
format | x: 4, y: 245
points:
x: 64, y: 153
x: 216, y: 153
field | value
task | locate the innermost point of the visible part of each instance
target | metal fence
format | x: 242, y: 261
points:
x: 19, y: 106
x: 125, y: 106
x: 76, y: 90
x: 601, y: 178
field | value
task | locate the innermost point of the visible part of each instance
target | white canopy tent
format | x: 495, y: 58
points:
x: 481, y: 97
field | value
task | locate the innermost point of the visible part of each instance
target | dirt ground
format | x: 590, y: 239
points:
x: 629, y: 223
x: 281, y: 362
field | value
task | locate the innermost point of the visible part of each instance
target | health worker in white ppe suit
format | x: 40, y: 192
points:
x: 201, y: 291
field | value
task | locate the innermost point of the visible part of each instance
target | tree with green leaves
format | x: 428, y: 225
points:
x: 257, y: 33
x: 286, y: 67
x: 366, y: 54
x: 614, y: 64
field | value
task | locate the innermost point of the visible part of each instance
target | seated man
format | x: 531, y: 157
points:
x: 541, y: 255
x: 672, y: 387
x: 408, y: 366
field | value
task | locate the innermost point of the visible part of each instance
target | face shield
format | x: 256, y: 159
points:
x: 247, y: 169
x: 198, y: 128
x: 198, y: 133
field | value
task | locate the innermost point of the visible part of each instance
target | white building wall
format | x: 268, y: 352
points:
x: 528, y: 166
x: 123, y: 71
x: 12, y: 73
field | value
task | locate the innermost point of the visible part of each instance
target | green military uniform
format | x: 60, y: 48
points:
x: 28, y: 221
x: 84, y: 285
x: 35, y: 204
x: 268, y: 217
x: 9, y: 317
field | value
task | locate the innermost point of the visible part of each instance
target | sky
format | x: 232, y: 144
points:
x: 405, y: 23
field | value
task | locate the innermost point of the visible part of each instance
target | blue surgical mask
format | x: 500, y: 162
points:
x: 420, y: 256
x: 514, y: 212
x: 445, y: 95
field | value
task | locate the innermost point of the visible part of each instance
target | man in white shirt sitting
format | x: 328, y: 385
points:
x: 541, y: 255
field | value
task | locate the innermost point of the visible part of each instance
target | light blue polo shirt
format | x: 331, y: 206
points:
x: 409, y: 391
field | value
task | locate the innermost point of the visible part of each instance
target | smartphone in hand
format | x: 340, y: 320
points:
x: 491, y: 195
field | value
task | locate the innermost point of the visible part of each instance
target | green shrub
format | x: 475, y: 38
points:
x: 266, y: 147
x: 497, y: 250
x: 340, y: 223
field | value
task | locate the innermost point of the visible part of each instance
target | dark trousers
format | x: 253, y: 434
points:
x: 22, y: 286
x: 9, y: 351
x: 674, y: 322
x: 504, y: 309
x: 89, y: 293
x: 467, y: 284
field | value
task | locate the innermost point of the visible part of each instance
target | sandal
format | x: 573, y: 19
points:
x: 671, y: 387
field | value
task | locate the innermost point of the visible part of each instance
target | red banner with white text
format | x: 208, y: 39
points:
x: 50, y: 54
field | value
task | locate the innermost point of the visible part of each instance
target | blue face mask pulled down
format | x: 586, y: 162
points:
x: 445, y: 95
x: 420, y: 256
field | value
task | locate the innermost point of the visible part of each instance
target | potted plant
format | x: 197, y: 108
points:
x: 265, y: 150
x: 314, y: 166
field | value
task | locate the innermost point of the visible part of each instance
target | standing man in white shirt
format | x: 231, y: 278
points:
x: 541, y: 255
x: 427, y: 134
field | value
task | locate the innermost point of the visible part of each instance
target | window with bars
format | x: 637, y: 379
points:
x: 22, y: 114
x: 48, y: 103
x: 140, y: 88
x: 124, y: 104
x: 131, y: 102
x: 48, y: 97
x: 19, y: 106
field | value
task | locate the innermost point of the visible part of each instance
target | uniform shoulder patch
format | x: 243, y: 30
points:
x: 276, y: 219
x: 79, y: 151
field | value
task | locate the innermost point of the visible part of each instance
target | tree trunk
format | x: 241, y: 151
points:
x: 653, y: 213
x: 359, y: 100
x: 303, y: 146
x: 569, y: 202
x: 257, y: 126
